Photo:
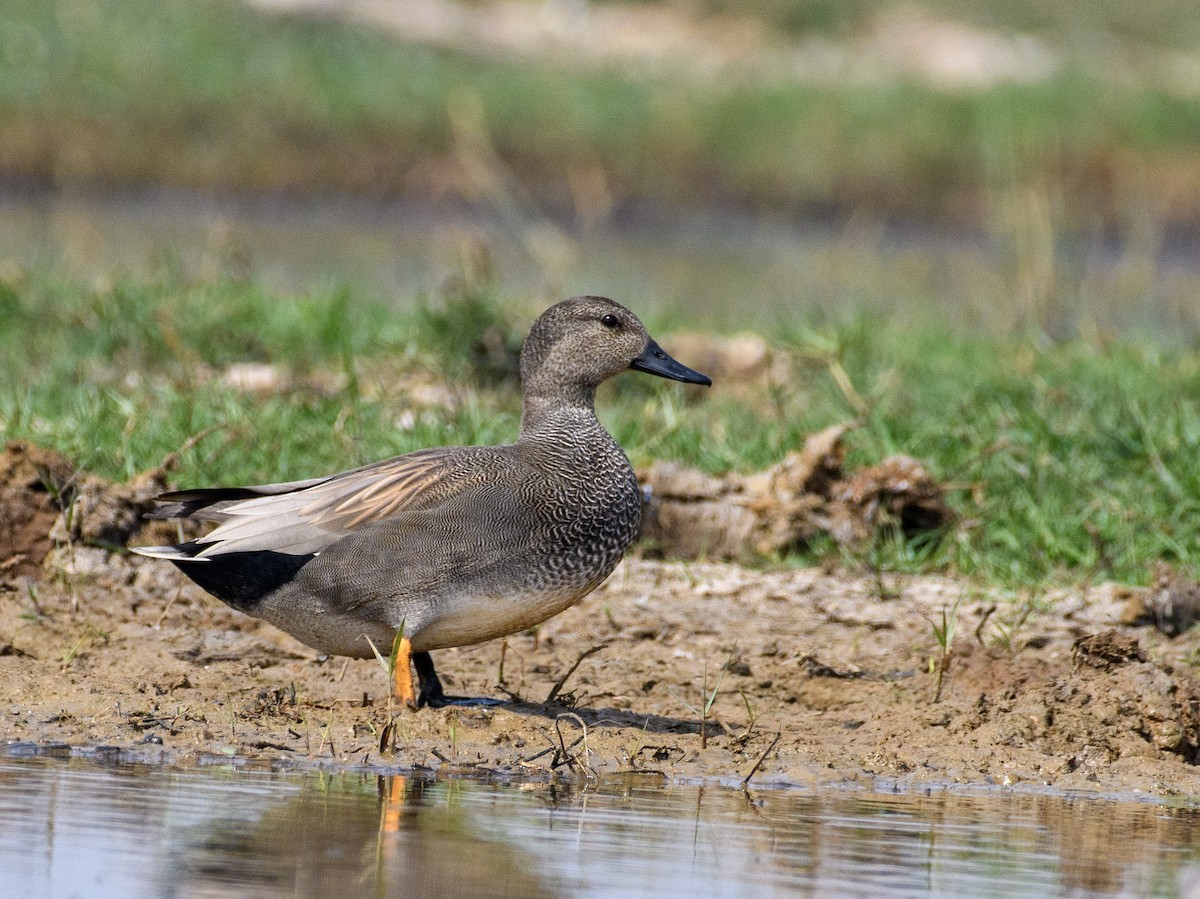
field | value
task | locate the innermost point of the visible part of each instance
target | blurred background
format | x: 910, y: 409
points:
x: 1013, y: 167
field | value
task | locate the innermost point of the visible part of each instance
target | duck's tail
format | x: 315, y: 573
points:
x: 183, y: 553
x: 238, y: 579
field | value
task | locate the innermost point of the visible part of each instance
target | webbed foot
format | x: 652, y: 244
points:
x: 430, y: 693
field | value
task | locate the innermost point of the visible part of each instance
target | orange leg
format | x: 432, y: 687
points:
x: 403, y: 673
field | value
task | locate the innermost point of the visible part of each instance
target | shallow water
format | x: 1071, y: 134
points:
x: 721, y: 268
x: 78, y: 827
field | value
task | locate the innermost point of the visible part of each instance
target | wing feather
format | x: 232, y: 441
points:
x: 304, y: 517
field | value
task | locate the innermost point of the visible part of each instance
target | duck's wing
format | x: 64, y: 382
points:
x: 304, y: 517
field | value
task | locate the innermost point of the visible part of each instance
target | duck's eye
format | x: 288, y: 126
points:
x: 610, y: 321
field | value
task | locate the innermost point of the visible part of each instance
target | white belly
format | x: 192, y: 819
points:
x: 463, y: 620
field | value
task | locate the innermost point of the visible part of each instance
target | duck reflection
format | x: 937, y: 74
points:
x: 367, y: 835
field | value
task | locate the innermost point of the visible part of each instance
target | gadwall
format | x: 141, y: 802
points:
x: 449, y: 546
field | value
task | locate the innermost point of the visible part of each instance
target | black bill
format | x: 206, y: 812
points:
x: 656, y: 361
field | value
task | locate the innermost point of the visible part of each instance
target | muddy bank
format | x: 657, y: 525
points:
x: 703, y: 670
x: 694, y: 515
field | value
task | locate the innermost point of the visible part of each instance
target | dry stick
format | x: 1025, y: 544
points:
x: 171, y: 459
x: 536, y: 756
x: 532, y: 758
x: 13, y: 561
x: 987, y: 614
x: 167, y: 608
x: 564, y: 756
x: 762, y: 758
x: 554, y: 691
x: 569, y: 759
x: 560, y: 757
x: 729, y: 731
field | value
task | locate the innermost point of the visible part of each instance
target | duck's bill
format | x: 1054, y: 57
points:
x: 656, y: 361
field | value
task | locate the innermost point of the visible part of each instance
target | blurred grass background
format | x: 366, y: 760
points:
x: 1074, y: 447
x: 214, y: 93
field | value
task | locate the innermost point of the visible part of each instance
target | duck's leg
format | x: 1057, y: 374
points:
x: 431, y: 692
x: 403, y: 673
x: 430, y: 688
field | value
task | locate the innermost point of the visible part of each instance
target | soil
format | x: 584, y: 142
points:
x: 685, y: 670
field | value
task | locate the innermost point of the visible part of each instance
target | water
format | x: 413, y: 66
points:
x: 722, y: 268
x: 76, y: 827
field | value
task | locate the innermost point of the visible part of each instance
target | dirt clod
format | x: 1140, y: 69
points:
x: 1108, y: 650
x: 105, y: 514
x: 35, y: 487
x: 694, y: 515
x: 1172, y: 604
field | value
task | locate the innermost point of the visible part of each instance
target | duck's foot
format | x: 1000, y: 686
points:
x: 430, y: 691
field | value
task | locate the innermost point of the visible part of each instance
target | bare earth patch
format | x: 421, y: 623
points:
x: 704, y: 670
x: 125, y: 653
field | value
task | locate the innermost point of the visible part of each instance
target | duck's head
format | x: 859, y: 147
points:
x: 580, y: 342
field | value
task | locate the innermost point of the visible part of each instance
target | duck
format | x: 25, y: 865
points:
x: 448, y: 546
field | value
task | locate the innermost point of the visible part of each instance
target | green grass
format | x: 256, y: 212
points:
x: 212, y: 93
x: 1077, y: 461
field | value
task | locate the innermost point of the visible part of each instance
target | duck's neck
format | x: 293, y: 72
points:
x: 559, y: 415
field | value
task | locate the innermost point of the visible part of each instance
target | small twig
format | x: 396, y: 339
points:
x: 567, y: 757
x: 511, y: 694
x: 987, y: 613
x: 762, y: 758
x: 561, y: 755
x: 537, y: 755
x: 554, y: 691
x: 13, y: 561
x: 171, y: 459
x: 167, y: 608
x: 725, y: 727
